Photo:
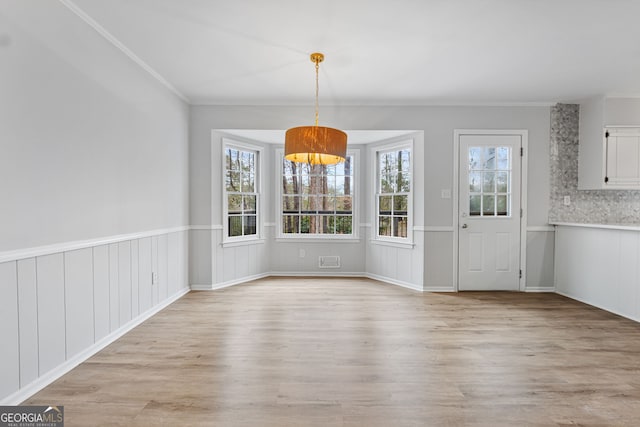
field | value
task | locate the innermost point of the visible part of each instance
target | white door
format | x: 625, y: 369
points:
x: 489, y: 212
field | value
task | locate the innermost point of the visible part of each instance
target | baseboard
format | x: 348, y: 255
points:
x: 617, y: 313
x: 317, y: 274
x: 391, y: 281
x: 439, y: 289
x: 540, y: 289
x: 216, y: 286
x: 30, y: 389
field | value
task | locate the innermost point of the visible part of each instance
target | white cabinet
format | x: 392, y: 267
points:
x: 622, y: 153
x: 609, y: 145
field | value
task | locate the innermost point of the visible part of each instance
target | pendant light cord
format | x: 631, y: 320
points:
x: 317, y: 90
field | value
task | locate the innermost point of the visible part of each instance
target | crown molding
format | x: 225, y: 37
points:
x: 119, y: 45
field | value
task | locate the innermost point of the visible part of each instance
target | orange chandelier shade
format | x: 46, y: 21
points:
x: 315, y: 144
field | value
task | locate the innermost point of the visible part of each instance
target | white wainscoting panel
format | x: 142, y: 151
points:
x: 79, y: 316
x: 58, y: 309
x: 163, y: 269
x: 114, y: 288
x: 600, y: 267
x: 145, y: 271
x: 51, y: 317
x: 28, y: 320
x: 9, y: 353
x: 124, y: 282
x: 172, y: 263
x: 135, y: 278
x: 101, y: 292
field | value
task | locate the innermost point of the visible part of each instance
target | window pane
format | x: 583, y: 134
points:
x: 501, y: 202
x: 234, y: 204
x: 233, y: 160
x: 400, y: 226
x: 387, y: 183
x: 232, y: 181
x: 474, y: 205
x: 235, y: 225
x: 488, y: 205
x: 249, y: 225
x: 343, y: 225
x: 290, y: 185
x: 503, y: 158
x: 290, y: 204
x: 290, y: 223
x: 385, y: 205
x: 384, y: 226
x: 344, y: 204
x: 325, y: 224
x: 331, y: 185
x: 405, y: 157
x: 475, y: 179
x: 475, y: 153
x: 489, y: 158
x: 247, y: 161
x: 402, y: 182
x: 249, y: 204
x: 400, y: 205
x: 305, y: 224
x: 502, y: 180
x: 489, y: 184
x: 323, y: 189
x: 327, y: 204
x: 307, y: 204
x: 248, y: 182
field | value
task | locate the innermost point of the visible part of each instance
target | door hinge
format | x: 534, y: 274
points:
x: 606, y: 179
x: 521, y: 274
x: 521, y: 151
x: 606, y: 134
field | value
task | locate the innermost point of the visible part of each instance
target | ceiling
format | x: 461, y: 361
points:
x: 380, y: 52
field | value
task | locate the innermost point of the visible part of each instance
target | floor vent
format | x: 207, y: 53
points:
x: 332, y: 261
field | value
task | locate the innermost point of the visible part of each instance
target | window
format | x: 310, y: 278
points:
x: 490, y: 181
x: 393, y: 192
x: 241, y: 194
x: 317, y: 200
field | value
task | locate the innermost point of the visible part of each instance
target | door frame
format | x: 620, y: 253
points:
x: 524, y: 135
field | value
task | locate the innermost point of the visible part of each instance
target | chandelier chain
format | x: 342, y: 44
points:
x: 317, y: 90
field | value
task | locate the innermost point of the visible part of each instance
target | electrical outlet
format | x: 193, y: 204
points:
x: 567, y: 200
x: 154, y: 278
x: 302, y: 253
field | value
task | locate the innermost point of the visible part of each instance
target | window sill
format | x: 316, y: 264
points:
x: 231, y: 244
x: 403, y: 245
x: 316, y: 240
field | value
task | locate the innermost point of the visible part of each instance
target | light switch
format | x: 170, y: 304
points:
x: 567, y: 200
x: 302, y: 253
x: 445, y: 194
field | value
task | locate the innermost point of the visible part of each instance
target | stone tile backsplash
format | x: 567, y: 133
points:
x: 587, y: 206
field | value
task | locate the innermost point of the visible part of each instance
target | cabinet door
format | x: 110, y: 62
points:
x: 623, y: 158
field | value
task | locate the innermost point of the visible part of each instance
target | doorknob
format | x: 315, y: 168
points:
x: 465, y: 226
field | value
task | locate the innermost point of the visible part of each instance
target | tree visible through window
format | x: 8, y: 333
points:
x: 241, y: 192
x: 393, y: 191
x: 317, y: 199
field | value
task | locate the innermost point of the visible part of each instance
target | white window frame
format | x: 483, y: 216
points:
x: 375, y: 152
x: 355, y: 225
x: 259, y: 151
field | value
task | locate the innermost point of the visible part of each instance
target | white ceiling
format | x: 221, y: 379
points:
x: 382, y: 52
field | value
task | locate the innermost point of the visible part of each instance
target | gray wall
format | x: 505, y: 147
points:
x: 91, y: 148
x: 437, y: 123
x: 90, y: 144
x: 587, y: 206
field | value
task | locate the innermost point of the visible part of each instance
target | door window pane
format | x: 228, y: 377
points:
x: 489, y: 181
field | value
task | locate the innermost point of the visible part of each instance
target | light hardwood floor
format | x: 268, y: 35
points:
x: 355, y: 352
